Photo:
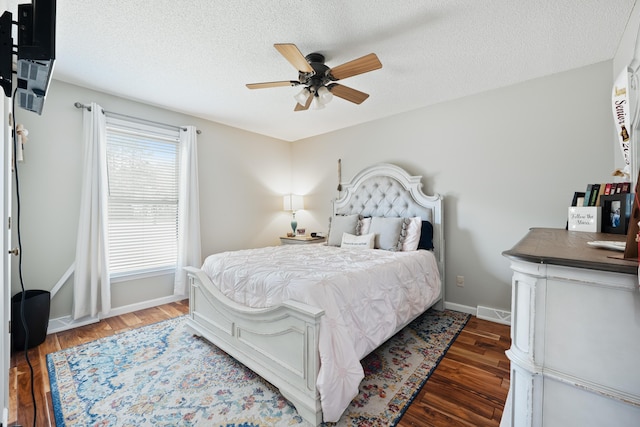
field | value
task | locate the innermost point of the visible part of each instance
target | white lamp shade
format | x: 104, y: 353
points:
x: 317, y: 104
x: 293, y: 202
x: 324, y: 95
x: 302, y: 96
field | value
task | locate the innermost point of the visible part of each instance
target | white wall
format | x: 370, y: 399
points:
x: 505, y: 160
x: 627, y: 46
x: 628, y: 50
x: 242, y: 179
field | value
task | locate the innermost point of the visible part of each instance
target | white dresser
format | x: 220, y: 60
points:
x: 575, y: 331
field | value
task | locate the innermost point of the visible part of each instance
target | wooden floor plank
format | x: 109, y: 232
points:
x: 175, y: 309
x: 151, y: 315
x: 450, y: 399
x: 117, y: 324
x: 428, y: 417
x: 463, y: 372
x: 131, y: 320
x: 478, y: 361
x: 467, y: 389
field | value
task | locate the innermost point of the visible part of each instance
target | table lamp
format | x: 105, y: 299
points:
x: 293, y: 203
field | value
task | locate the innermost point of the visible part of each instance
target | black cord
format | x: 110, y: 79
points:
x: 22, y: 315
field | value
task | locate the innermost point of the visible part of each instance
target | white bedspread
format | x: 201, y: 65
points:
x: 367, y: 295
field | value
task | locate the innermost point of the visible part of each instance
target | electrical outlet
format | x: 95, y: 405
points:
x: 460, y: 281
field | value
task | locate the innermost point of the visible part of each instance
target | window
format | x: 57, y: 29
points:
x: 143, y: 174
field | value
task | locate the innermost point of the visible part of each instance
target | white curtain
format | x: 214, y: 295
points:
x: 91, y: 285
x: 188, y: 210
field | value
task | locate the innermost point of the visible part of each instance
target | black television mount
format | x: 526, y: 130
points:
x: 35, y: 51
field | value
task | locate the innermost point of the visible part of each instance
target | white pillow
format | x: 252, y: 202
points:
x: 339, y: 224
x: 387, y: 231
x: 364, y: 241
x: 412, y: 235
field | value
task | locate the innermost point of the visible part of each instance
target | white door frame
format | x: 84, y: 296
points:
x: 5, y: 263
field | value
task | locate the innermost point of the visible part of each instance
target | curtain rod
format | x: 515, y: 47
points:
x: 88, y: 107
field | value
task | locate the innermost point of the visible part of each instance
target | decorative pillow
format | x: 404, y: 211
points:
x: 426, y: 236
x: 387, y: 231
x: 412, y: 235
x: 363, y: 226
x: 364, y: 241
x: 339, y: 224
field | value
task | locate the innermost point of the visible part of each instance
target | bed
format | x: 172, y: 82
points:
x: 330, y: 311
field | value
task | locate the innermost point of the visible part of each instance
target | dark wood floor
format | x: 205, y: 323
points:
x: 470, y: 385
x: 468, y: 388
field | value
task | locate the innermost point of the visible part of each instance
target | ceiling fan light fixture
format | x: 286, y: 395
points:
x: 317, y: 78
x: 324, y: 95
x: 317, y: 104
x: 302, y: 96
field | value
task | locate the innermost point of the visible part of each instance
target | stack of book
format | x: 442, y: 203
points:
x: 595, y: 191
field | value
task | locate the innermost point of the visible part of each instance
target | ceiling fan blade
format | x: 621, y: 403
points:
x: 361, y: 65
x: 347, y: 93
x: 306, y: 105
x: 292, y: 54
x: 272, y: 84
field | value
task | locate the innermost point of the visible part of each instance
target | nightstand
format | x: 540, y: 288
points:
x: 301, y: 240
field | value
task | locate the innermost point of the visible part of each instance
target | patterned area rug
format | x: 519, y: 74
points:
x: 161, y: 375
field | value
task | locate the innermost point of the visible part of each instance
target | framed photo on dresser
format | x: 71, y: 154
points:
x: 616, y: 211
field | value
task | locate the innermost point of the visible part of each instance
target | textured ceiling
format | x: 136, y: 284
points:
x: 195, y: 56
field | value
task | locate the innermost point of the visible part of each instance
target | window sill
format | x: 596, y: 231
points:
x: 125, y: 277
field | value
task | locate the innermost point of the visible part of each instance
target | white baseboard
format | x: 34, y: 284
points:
x: 485, y: 313
x: 66, y: 322
x: 494, y: 315
x: 144, y: 304
x: 459, y: 307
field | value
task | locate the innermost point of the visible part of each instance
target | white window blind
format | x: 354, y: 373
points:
x: 143, y: 171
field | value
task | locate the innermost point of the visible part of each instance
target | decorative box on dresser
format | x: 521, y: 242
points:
x: 575, y: 333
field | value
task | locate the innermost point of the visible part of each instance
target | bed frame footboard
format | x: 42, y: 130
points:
x: 278, y: 343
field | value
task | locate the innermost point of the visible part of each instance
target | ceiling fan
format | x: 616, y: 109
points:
x: 318, y: 79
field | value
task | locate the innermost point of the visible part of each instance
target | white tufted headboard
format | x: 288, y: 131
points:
x: 388, y: 190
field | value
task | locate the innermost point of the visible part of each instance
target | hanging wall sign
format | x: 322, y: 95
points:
x: 620, y: 106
